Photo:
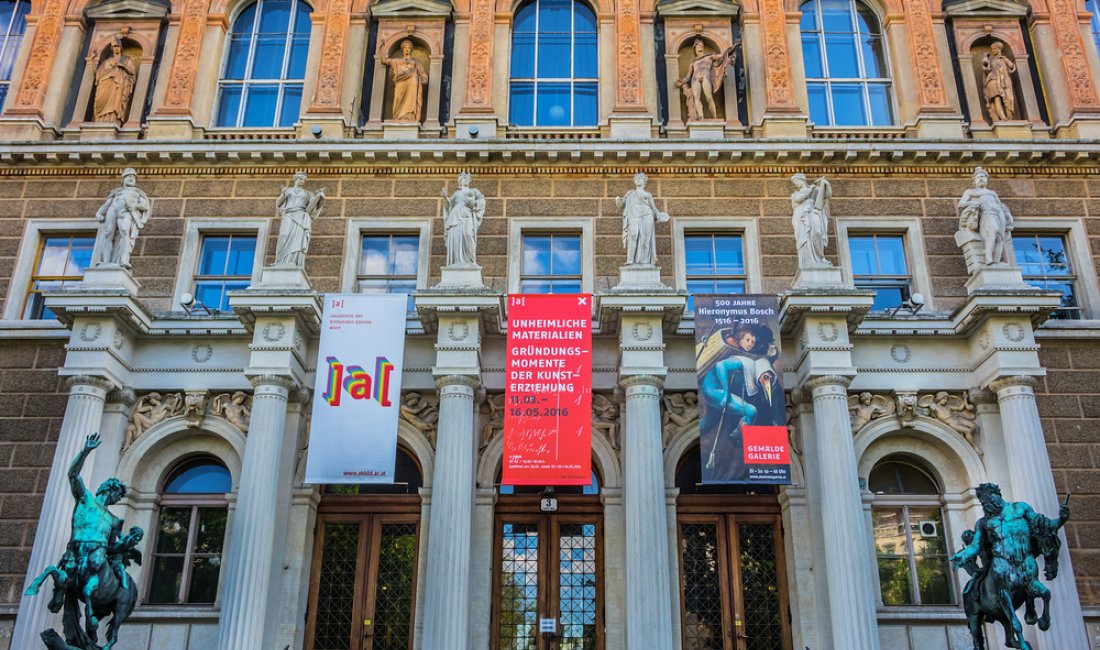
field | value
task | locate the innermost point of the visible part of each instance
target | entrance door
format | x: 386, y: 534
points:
x: 548, y: 567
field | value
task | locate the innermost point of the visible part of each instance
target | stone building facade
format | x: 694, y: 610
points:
x: 204, y: 403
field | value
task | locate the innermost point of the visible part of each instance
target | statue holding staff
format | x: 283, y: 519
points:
x: 704, y: 78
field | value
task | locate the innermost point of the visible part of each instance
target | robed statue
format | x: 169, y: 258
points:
x: 114, y: 85
x: 298, y: 208
x: 1000, y: 98
x: 982, y: 211
x: 811, y: 220
x: 1000, y: 556
x: 91, y: 574
x: 121, y: 218
x: 409, y: 80
x: 462, y: 215
x: 640, y: 217
x: 704, y: 78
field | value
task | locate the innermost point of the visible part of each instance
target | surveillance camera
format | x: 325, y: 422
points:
x: 473, y: 131
x: 187, y: 301
x: 317, y: 131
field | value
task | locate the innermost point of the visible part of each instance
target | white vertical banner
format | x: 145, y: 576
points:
x: 357, y: 395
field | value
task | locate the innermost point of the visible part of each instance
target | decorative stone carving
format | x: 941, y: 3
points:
x: 298, y: 208
x: 409, y: 79
x: 926, y: 60
x: 907, y: 407
x: 462, y: 215
x: 605, y: 418
x: 866, y: 407
x: 1000, y: 97
x: 194, y: 407
x: 640, y: 217
x: 114, y: 85
x: 704, y: 78
x: 1067, y: 31
x: 40, y: 61
x: 777, y: 64
x: 121, y: 218
x: 151, y: 409
x: 985, y: 224
x: 330, y: 71
x: 681, y: 410
x: 237, y: 408
x: 421, y: 411
x: 954, y: 411
x: 185, y: 63
x: 628, y: 55
x: 492, y: 414
x: 810, y: 204
x: 479, y: 77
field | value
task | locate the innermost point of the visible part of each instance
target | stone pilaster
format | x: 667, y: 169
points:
x: 83, y: 416
x: 1033, y: 482
x: 446, y: 605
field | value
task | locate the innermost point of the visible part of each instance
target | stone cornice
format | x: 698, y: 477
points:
x: 1015, y: 381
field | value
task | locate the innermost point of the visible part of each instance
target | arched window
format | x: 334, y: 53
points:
x: 13, y: 22
x: 187, y: 551
x: 910, y: 541
x: 554, y: 64
x: 265, y: 66
x: 1093, y: 7
x: 847, y: 79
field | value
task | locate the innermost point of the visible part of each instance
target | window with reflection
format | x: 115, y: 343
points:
x: 1045, y: 263
x: 878, y: 263
x: 551, y: 263
x: 713, y: 263
x: 225, y: 264
x: 261, y: 85
x: 554, y: 65
x: 910, y: 545
x: 388, y: 264
x: 13, y: 22
x: 1093, y: 7
x: 847, y: 79
x: 61, y: 262
x: 191, y: 525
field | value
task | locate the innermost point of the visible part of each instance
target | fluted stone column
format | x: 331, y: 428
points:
x: 446, y: 606
x: 648, y: 586
x: 1033, y: 482
x: 83, y: 416
x: 844, y: 533
x: 248, y: 569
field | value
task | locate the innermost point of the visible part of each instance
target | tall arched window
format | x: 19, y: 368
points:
x: 847, y: 79
x: 910, y: 543
x: 13, y: 22
x: 191, y: 524
x: 554, y: 65
x: 265, y: 65
x: 1093, y: 7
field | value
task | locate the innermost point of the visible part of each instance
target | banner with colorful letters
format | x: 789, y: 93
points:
x: 353, y: 434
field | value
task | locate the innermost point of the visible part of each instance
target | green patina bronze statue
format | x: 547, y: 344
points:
x: 92, y: 570
x: 1007, y: 541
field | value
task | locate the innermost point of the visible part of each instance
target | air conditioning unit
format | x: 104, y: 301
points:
x: 928, y: 529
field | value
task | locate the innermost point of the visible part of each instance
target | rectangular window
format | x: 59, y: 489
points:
x: 187, y: 556
x: 912, y: 556
x: 225, y: 264
x: 61, y: 262
x: 878, y: 263
x: 1045, y: 263
x: 388, y: 263
x: 713, y: 263
x: 551, y: 263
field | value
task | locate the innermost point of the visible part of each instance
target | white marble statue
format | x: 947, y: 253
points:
x: 462, y: 215
x: 811, y: 220
x: 122, y: 216
x: 982, y: 211
x: 640, y: 217
x: 298, y: 207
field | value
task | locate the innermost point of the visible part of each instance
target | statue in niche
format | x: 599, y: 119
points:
x: 640, y: 217
x: 462, y: 215
x: 811, y: 220
x: 114, y: 85
x: 298, y: 208
x: 1000, y: 98
x: 703, y: 79
x: 409, y: 80
x: 122, y: 216
x: 982, y: 211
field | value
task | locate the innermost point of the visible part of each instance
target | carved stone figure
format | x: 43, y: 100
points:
x: 150, y: 410
x: 462, y: 215
x: 1007, y: 540
x: 1000, y: 98
x: 704, y: 78
x: 907, y: 408
x: 237, y: 408
x: 194, y: 407
x: 122, y: 216
x: 421, y: 411
x: 409, y: 80
x: 640, y: 217
x: 114, y: 85
x: 866, y: 407
x: 982, y: 211
x: 492, y: 414
x: 605, y: 418
x: 811, y: 220
x: 681, y: 409
x: 298, y: 208
x: 92, y: 570
x: 954, y: 411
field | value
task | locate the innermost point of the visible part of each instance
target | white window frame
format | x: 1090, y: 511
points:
x: 353, y: 246
x: 1073, y: 231
x: 750, y: 242
x: 518, y: 226
x: 910, y: 231
x: 34, y: 233
x: 907, y: 502
x: 192, y: 246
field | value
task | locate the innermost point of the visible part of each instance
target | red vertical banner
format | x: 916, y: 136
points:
x: 548, y: 390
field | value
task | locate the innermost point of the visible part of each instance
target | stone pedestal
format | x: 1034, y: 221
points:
x: 283, y: 276
x: 96, y: 131
x: 400, y: 131
x: 630, y: 126
x: 706, y: 130
x: 825, y: 275
x: 783, y: 126
x: 475, y: 127
x: 640, y: 277
x: 330, y: 128
x: 460, y: 277
x: 110, y: 277
x: 1014, y: 130
x: 940, y: 127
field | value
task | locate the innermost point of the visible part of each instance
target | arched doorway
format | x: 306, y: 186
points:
x: 362, y: 589
x: 733, y: 587
x: 548, y: 565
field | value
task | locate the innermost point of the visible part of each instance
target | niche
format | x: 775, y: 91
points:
x: 421, y: 54
x: 114, y: 68
x: 1013, y: 97
x: 722, y: 73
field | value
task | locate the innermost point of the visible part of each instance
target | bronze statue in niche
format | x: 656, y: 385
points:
x: 114, y: 85
x: 997, y: 88
x: 704, y: 78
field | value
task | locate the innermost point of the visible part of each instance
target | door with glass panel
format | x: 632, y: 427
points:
x: 548, y: 567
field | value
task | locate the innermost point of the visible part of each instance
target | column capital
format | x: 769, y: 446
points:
x: 827, y: 381
x: 469, y: 381
x: 277, y: 381
x: 123, y: 396
x: 1014, y: 384
x: 90, y: 381
x: 630, y: 381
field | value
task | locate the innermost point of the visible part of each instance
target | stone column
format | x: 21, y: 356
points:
x: 446, y: 605
x: 248, y: 566
x: 83, y: 416
x: 844, y: 533
x: 648, y: 587
x: 1033, y: 482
